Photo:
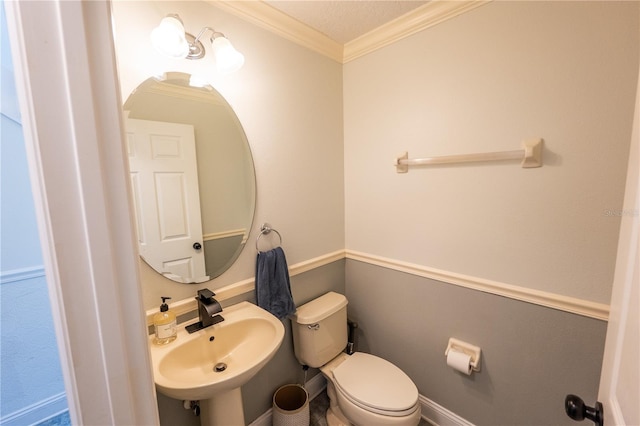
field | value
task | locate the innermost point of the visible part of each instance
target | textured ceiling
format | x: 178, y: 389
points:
x: 345, y: 20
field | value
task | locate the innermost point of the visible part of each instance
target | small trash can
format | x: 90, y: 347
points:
x: 291, y: 406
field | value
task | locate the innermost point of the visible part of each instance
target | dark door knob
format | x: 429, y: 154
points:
x: 577, y: 410
x: 197, y: 246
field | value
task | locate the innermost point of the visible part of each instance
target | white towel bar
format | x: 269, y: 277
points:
x: 530, y: 154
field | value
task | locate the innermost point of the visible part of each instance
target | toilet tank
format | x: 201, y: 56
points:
x: 319, y: 329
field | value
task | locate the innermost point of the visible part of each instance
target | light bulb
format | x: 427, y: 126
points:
x: 228, y: 59
x: 168, y: 38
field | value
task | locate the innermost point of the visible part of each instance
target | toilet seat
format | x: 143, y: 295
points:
x: 387, y: 390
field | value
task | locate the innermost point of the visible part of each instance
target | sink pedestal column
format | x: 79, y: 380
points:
x: 224, y: 408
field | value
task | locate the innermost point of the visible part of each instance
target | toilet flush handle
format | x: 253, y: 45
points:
x: 313, y: 326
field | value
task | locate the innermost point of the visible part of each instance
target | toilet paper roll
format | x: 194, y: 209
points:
x: 459, y: 361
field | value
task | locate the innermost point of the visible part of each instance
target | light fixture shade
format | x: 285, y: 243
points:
x: 168, y: 38
x: 228, y: 59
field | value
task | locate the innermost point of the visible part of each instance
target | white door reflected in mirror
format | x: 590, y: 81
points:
x: 164, y: 181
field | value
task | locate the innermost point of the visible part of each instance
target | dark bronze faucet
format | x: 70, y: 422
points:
x: 208, y: 308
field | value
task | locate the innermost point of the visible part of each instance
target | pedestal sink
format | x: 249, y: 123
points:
x: 210, y: 365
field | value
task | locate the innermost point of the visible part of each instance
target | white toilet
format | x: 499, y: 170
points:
x: 363, y: 389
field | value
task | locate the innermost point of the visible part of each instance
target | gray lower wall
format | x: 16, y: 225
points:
x: 532, y: 356
x: 283, y: 368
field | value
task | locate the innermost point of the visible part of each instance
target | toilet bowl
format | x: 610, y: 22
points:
x: 363, y: 389
x: 369, y: 390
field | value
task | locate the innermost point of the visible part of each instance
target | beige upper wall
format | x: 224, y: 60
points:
x: 289, y: 101
x: 484, y: 81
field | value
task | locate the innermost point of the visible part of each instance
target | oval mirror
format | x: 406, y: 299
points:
x: 192, y: 178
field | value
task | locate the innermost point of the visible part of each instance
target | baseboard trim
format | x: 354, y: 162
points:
x: 560, y: 302
x: 314, y: 386
x: 36, y: 413
x: 437, y: 415
x: 432, y: 412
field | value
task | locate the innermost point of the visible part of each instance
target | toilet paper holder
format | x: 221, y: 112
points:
x: 473, y: 351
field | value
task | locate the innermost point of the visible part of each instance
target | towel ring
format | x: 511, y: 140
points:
x: 264, y: 230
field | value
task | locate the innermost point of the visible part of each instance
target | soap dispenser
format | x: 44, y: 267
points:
x: 164, y: 323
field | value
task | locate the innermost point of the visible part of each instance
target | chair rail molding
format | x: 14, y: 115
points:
x: 560, y: 302
x: 586, y: 308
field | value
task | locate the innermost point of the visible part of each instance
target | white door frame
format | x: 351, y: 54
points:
x: 70, y: 104
x: 622, y: 329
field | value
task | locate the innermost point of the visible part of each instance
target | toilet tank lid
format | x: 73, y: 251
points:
x: 320, y: 308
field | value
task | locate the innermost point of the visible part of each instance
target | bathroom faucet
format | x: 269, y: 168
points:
x: 208, y: 308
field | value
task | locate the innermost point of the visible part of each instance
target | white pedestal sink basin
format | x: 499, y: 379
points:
x: 188, y: 368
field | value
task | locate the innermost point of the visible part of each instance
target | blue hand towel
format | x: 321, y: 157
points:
x: 273, y: 289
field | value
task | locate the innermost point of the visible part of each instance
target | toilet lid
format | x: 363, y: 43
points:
x: 376, y: 384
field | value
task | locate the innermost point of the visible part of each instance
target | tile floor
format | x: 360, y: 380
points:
x: 318, y: 408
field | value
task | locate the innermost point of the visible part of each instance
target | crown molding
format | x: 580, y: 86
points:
x: 272, y: 19
x: 421, y: 18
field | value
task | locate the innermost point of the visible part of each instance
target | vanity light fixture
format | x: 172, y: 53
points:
x: 170, y: 39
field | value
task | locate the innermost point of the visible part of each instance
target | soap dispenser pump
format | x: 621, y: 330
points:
x: 164, y: 323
